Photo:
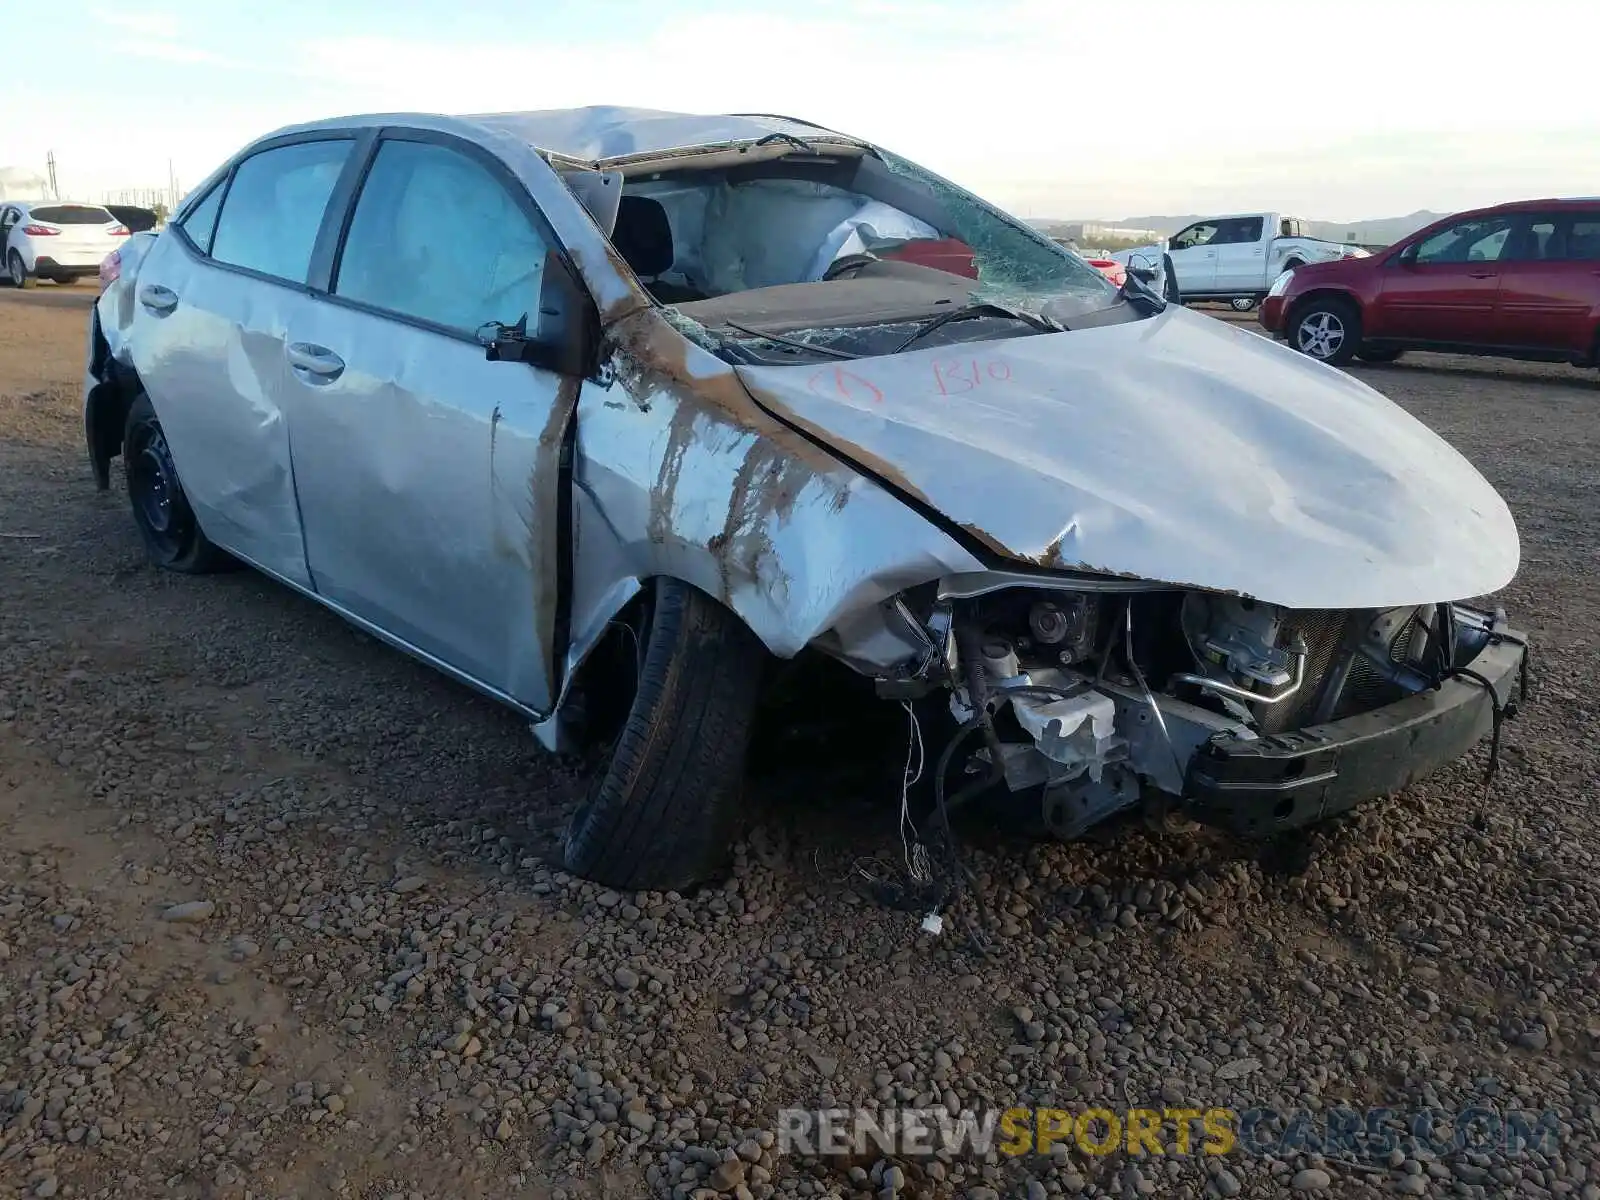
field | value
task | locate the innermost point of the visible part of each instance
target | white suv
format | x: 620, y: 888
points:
x: 52, y: 240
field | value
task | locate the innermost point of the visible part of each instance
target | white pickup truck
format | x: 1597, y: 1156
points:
x: 1236, y: 257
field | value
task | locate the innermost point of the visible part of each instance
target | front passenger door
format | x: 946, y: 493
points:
x: 428, y: 476
x: 1194, y: 257
x: 1446, y: 288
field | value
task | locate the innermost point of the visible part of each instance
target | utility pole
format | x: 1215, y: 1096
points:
x: 50, y: 164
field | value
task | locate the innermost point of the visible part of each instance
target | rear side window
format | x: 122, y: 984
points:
x: 1238, y: 231
x: 1583, y: 239
x: 202, y: 219
x: 436, y: 236
x: 274, y: 208
x: 72, y: 214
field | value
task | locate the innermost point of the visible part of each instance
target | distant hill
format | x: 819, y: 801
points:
x: 1377, y: 232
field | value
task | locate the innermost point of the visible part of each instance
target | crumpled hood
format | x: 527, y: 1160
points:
x: 1176, y: 449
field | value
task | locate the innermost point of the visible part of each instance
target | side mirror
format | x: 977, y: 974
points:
x: 566, y: 329
x: 1143, y: 274
x: 1408, y: 256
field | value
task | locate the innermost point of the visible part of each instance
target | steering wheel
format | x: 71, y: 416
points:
x: 849, y: 266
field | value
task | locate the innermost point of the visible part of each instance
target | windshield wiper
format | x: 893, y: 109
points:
x: 798, y: 143
x: 792, y: 343
x: 979, y: 310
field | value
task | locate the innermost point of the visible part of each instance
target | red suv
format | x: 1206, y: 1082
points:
x: 1520, y: 280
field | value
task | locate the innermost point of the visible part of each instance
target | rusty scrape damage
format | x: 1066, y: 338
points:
x: 729, y: 498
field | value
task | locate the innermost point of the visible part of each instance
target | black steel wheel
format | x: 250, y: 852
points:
x: 172, y: 535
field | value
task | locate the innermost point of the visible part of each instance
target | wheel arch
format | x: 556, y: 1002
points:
x: 1301, y: 303
x: 106, y: 404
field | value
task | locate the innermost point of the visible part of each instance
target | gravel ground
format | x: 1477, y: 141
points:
x: 276, y: 917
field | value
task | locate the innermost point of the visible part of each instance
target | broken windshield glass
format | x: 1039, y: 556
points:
x: 1015, y: 264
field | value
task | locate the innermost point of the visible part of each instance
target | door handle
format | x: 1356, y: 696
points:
x: 1481, y: 274
x: 159, y: 300
x: 308, y: 359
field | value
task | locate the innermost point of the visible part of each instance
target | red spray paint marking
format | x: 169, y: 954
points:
x: 844, y: 385
x: 953, y: 376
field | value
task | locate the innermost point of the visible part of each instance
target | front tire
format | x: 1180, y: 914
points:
x: 17, y: 271
x: 1242, y: 304
x: 661, y: 816
x: 172, y: 536
x: 1327, y: 330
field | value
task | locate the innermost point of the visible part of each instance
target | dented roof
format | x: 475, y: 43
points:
x: 604, y: 132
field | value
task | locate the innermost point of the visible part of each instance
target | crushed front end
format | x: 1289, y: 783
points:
x: 1100, y: 695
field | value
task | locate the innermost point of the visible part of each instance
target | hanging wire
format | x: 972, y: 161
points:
x: 912, y: 849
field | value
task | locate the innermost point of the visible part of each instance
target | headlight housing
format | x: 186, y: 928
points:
x: 1280, y: 285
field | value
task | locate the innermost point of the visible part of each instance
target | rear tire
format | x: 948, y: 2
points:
x: 172, y: 535
x: 17, y: 272
x: 1328, y: 330
x: 661, y: 816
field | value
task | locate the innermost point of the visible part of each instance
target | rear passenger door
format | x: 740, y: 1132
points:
x: 1550, y: 285
x: 1242, y: 255
x: 213, y: 299
x: 9, y: 217
x: 428, y: 476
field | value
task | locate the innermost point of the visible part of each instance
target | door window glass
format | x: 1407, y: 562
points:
x: 1479, y: 240
x: 274, y: 208
x: 202, y: 219
x: 1196, y: 235
x: 436, y: 236
x: 1583, y: 239
x: 1237, y: 232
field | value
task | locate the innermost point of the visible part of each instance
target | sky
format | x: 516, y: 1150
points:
x: 1345, y: 111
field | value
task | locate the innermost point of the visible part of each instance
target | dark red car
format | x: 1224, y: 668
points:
x: 1519, y: 280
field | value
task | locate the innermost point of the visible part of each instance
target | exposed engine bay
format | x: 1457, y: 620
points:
x: 1102, y: 700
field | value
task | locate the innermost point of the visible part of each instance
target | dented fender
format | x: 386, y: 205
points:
x: 678, y: 472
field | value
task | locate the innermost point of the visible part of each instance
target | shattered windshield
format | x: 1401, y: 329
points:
x: 1014, y: 262
x: 815, y: 257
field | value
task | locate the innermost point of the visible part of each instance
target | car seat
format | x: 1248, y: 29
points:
x: 643, y: 236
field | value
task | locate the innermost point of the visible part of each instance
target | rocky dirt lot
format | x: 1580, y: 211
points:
x: 276, y: 915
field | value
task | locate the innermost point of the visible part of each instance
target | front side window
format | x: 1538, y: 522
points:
x: 1478, y: 240
x: 1202, y: 234
x: 274, y: 207
x: 437, y: 237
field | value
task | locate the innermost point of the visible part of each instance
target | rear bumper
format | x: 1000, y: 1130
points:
x: 76, y: 266
x: 1271, y: 315
x: 1288, y: 780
